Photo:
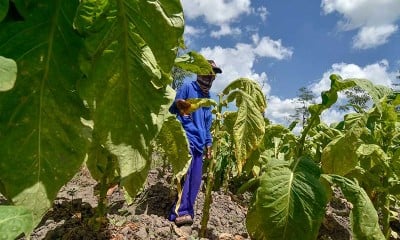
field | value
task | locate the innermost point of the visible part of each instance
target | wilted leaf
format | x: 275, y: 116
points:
x: 250, y: 87
x: 249, y: 127
x: 196, y: 103
x: 172, y: 139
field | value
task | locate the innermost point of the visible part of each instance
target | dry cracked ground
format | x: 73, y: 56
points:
x: 145, y: 216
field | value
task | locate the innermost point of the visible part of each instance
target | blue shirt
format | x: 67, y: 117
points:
x: 197, y: 125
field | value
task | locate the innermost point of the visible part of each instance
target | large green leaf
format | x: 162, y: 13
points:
x: 374, y: 154
x: 42, y: 141
x: 289, y: 204
x: 8, y: 73
x: 172, y: 139
x: 363, y: 216
x: 340, y: 156
x: 14, y: 221
x: 127, y: 72
x: 249, y: 127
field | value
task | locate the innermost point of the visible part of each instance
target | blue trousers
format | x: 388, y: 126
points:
x: 185, y: 201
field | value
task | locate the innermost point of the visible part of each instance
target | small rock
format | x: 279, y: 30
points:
x: 238, y: 237
x: 183, y: 231
x: 142, y: 233
x: 163, y: 230
x: 225, y: 236
x: 126, y: 230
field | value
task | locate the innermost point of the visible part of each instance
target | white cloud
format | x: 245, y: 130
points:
x: 225, y: 30
x: 369, y: 37
x: 193, y: 31
x: 267, y: 47
x: 366, y: 15
x: 238, y: 62
x: 216, y: 12
x: 332, y: 115
x: 220, y: 13
x: 280, y: 110
x: 262, y: 12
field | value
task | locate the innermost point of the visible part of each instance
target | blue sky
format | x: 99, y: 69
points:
x: 286, y: 45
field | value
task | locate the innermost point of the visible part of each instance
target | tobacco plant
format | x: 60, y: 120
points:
x: 245, y: 126
x: 93, y: 80
x: 291, y: 196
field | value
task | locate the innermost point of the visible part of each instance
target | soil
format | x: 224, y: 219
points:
x: 145, y: 216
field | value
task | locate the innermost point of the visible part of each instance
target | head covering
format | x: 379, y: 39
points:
x: 205, y: 81
x: 214, y: 66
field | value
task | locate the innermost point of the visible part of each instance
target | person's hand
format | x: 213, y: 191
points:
x: 183, y: 106
x: 209, y: 152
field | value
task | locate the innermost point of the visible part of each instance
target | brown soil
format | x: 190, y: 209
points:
x: 145, y: 217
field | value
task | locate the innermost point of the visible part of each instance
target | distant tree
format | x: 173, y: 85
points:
x: 357, y: 99
x: 179, y: 75
x: 398, y: 77
x: 305, y: 97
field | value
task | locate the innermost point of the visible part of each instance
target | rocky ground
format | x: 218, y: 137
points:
x: 145, y: 217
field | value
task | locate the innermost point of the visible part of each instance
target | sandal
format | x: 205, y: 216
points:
x: 184, y: 220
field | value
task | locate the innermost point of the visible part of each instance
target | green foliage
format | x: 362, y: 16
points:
x: 95, y: 61
x: 128, y: 99
x: 245, y: 127
x: 339, y: 156
x: 41, y: 114
x: 290, y: 202
x: 364, y: 147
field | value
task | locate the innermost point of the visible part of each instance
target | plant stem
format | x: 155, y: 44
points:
x: 207, y: 198
x: 101, y: 210
x: 210, y: 175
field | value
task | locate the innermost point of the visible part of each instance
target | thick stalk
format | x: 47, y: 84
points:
x: 207, y: 198
x: 210, y: 176
x: 101, y: 211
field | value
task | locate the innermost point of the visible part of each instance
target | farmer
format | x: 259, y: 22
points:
x: 197, y: 127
